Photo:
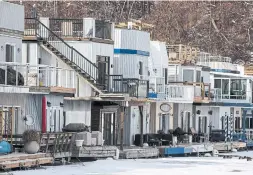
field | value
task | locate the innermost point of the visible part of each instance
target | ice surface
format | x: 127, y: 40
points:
x: 163, y: 166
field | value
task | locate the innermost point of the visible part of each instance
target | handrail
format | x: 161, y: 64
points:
x: 85, y: 64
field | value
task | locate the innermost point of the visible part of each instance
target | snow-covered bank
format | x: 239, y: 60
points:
x: 182, y: 166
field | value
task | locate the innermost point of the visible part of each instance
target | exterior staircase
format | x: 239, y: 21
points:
x: 74, y: 59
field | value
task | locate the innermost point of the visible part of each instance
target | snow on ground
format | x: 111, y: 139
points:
x: 163, y: 166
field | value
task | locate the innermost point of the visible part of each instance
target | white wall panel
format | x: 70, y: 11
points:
x: 11, y: 16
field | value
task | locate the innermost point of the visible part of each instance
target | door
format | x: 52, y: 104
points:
x: 55, y: 119
x: 103, y: 70
x: 108, y: 127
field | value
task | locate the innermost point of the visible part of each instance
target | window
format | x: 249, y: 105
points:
x: 225, y: 88
x: 10, y: 55
x: 165, y: 75
x: 237, y: 123
x: 217, y: 83
x: 140, y: 68
x: 188, y: 75
x: 198, y: 76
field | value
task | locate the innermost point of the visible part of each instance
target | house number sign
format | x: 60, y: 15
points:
x: 165, y: 107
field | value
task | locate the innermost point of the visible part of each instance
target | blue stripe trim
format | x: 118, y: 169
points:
x: 226, y: 71
x: 238, y: 104
x: 131, y: 52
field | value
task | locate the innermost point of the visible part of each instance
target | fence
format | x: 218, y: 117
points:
x: 15, y: 74
x: 133, y: 87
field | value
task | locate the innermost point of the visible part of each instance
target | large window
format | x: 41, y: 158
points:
x: 198, y: 76
x: 238, y: 89
x: 249, y: 123
x: 188, y: 75
x: 10, y: 55
x: 231, y: 88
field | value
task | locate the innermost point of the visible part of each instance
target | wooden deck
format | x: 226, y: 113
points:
x: 137, y: 153
x: 22, y: 160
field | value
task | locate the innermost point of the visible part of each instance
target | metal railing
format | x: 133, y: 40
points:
x: 215, y: 94
x: 67, y: 51
x: 179, y: 93
x: 133, y: 87
x: 182, y: 91
x: 66, y: 27
x: 31, y: 27
x: 15, y: 74
x: 231, y: 95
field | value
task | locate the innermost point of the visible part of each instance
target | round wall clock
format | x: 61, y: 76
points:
x: 165, y: 107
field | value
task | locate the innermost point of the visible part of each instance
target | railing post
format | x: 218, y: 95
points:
x: 26, y: 76
x: 5, y: 75
x: 122, y: 84
x: 71, y: 57
x: 17, y: 75
x: 147, y: 88
x: 38, y: 77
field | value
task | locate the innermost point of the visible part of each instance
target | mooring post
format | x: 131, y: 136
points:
x: 122, y: 113
x: 141, y: 115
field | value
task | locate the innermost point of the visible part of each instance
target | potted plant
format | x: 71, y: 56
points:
x: 31, y: 140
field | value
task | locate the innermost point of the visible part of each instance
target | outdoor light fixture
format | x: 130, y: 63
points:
x: 48, y: 104
x: 61, y: 104
x: 2, y: 47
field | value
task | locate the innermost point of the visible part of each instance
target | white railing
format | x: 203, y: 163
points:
x: 216, y: 95
x: 157, y: 84
x: 236, y: 96
x: 15, y: 74
x: 215, y: 62
x: 179, y: 93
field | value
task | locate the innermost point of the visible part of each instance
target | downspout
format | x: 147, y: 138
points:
x: 44, y: 115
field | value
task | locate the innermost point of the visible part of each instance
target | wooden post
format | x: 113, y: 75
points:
x: 122, y: 126
x: 141, y: 115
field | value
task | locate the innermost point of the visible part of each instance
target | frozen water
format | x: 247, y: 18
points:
x: 163, y: 166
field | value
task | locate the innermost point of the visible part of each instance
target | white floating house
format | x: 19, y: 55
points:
x: 231, y: 92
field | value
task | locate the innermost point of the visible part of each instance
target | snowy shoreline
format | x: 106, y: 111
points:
x: 181, y: 166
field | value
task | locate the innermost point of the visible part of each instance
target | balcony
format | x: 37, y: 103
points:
x: 178, y: 92
x: 17, y: 78
x: 157, y: 88
x: 236, y: 96
x: 72, y: 29
x: 133, y: 87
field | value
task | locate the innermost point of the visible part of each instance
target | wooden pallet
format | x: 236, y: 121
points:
x: 20, y: 160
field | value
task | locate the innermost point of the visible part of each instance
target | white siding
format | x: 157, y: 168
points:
x: 31, y: 50
x: 17, y: 42
x: 28, y: 104
x: 128, y: 65
x: 132, y: 39
x: 12, y: 16
x: 158, y: 57
x: 92, y: 49
x: 78, y: 112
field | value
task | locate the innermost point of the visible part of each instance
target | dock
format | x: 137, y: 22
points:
x: 23, y: 160
x: 139, y: 153
x: 186, y: 149
x: 95, y: 152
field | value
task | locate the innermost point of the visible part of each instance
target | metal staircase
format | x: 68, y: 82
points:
x: 84, y: 67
